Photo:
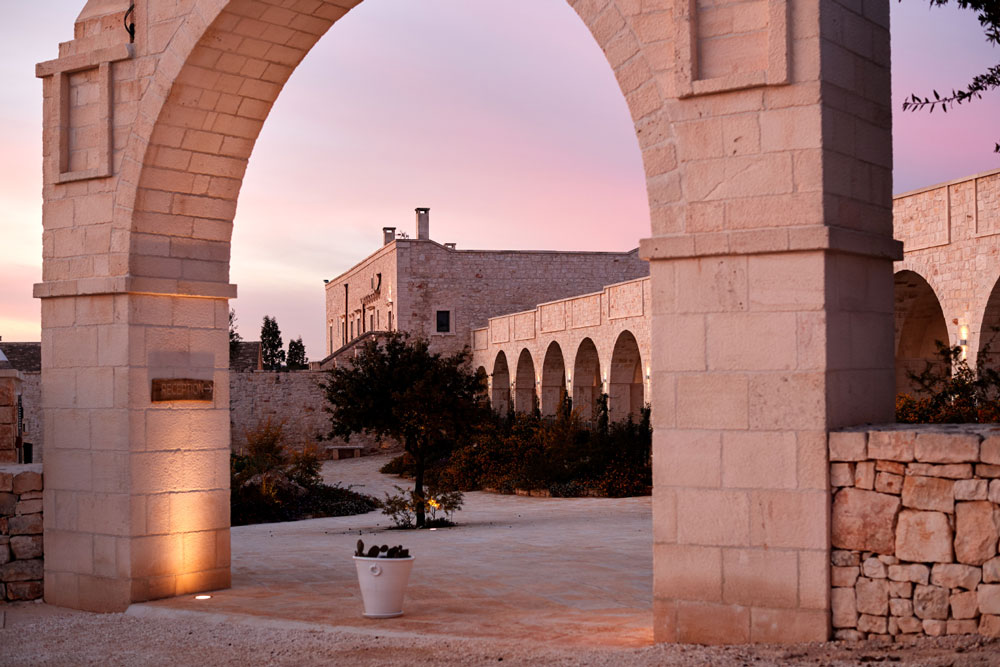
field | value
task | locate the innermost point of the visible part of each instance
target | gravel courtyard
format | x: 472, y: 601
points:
x: 520, y: 580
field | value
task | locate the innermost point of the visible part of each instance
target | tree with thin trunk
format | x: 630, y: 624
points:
x: 271, y: 352
x: 396, y: 388
x: 297, y: 360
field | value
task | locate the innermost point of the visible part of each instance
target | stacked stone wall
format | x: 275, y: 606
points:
x: 915, y: 526
x: 477, y: 285
x: 8, y: 417
x: 21, y: 561
x: 31, y: 401
x: 294, y: 398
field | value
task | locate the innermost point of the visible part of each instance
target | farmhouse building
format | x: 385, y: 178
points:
x: 440, y: 292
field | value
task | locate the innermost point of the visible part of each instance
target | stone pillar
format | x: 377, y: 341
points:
x: 772, y: 322
x: 137, y: 491
x: 136, y: 503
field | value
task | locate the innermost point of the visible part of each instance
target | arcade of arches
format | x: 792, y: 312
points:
x: 755, y: 254
x: 601, y: 351
x: 947, y: 287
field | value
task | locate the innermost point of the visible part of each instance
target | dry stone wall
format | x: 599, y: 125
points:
x: 294, y: 397
x: 21, y: 562
x: 31, y: 400
x: 915, y: 526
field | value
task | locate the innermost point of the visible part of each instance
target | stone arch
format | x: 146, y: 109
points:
x: 988, y: 347
x: 500, y: 385
x: 553, y: 379
x: 587, y: 380
x: 483, y: 376
x: 525, y: 380
x: 919, y: 325
x: 754, y: 235
x: 625, y: 379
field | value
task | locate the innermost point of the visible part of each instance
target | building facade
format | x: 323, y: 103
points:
x: 442, y: 293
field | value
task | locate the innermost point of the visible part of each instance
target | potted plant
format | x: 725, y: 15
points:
x: 383, y: 572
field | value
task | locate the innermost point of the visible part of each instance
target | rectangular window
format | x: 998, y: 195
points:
x: 352, y: 329
x: 371, y: 322
x: 443, y: 321
x: 390, y: 320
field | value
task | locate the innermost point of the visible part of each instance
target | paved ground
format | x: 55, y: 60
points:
x: 521, y: 580
x: 575, y: 570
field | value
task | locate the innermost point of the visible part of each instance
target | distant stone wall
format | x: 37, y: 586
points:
x: 21, y: 554
x: 293, y: 397
x: 31, y: 399
x: 915, y: 526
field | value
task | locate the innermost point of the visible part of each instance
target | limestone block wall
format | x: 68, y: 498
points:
x: 552, y: 341
x: 294, y: 397
x: 916, y: 518
x: 421, y: 277
x: 366, y: 303
x: 951, y: 238
x: 9, y: 383
x: 479, y: 284
x: 21, y: 550
x: 31, y: 401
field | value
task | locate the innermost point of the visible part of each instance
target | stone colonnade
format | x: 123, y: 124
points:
x: 575, y: 348
x: 771, y: 285
x: 947, y: 283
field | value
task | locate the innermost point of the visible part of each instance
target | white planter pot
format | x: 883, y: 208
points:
x: 383, y: 584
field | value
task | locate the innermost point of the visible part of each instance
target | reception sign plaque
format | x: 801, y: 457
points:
x: 182, y: 389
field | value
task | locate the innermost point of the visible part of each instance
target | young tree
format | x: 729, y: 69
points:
x: 297, y: 360
x: 396, y: 388
x: 234, y: 337
x: 271, y: 352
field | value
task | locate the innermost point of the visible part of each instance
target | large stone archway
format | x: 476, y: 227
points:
x: 755, y: 119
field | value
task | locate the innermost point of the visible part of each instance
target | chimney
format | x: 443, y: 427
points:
x: 423, y: 223
x: 388, y: 235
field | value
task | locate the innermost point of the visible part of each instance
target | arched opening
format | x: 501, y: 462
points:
x: 500, y: 385
x: 553, y: 379
x: 625, y: 394
x: 919, y: 326
x: 586, y: 379
x: 524, y: 383
x: 484, y: 387
x: 988, y: 347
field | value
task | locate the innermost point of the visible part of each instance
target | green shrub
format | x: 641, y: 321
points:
x: 949, y: 391
x: 268, y: 483
x: 562, y: 454
x: 402, y: 506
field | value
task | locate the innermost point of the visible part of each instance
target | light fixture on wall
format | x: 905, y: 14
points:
x: 963, y: 340
x: 647, y: 372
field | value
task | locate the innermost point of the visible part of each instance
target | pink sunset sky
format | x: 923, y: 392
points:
x: 503, y: 118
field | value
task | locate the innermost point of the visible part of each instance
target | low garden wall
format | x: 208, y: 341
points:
x: 915, y: 525
x: 294, y: 398
x: 21, y: 564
